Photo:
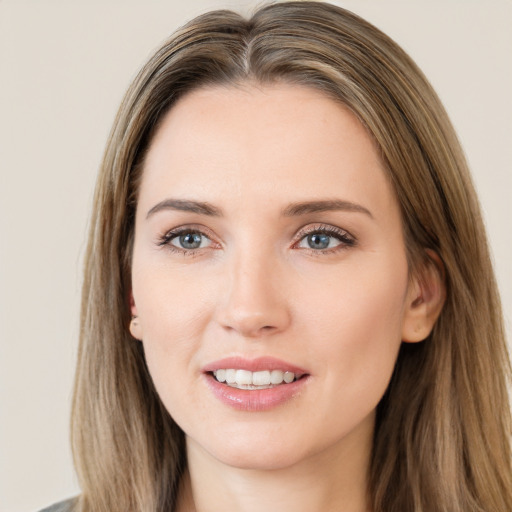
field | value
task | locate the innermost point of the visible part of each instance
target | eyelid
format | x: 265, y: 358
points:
x: 345, y: 237
x: 165, y: 239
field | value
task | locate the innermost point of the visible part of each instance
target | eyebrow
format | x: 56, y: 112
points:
x: 303, y: 208
x: 292, y: 210
x: 184, y: 205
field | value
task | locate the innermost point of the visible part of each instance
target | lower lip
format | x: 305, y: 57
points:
x: 256, y: 399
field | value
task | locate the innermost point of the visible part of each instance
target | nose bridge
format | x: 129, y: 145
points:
x: 254, y: 303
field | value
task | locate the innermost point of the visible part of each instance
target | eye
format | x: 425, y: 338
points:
x: 320, y: 241
x: 325, y: 238
x: 185, y: 240
x: 190, y: 240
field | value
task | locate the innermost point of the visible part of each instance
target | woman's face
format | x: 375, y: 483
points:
x: 268, y: 248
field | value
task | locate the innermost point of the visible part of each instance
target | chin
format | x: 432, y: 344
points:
x: 253, y: 450
x: 259, y: 460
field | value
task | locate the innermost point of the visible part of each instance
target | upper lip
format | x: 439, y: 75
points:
x: 253, y: 365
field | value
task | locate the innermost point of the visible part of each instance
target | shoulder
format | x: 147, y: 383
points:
x: 62, y: 506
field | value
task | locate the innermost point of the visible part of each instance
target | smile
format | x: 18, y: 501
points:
x: 245, y: 379
x: 255, y: 384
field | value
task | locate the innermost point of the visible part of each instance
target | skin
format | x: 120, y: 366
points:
x: 256, y: 288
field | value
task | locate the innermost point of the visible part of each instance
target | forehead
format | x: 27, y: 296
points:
x: 269, y: 141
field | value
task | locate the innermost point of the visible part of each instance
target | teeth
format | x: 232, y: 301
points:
x: 244, y: 379
x: 276, y: 377
x: 288, y: 377
x: 262, y: 378
x: 230, y: 376
x: 220, y: 375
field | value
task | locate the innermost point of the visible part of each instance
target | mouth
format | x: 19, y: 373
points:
x: 245, y: 379
x: 255, y: 385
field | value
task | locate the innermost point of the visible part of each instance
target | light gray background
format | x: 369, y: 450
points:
x: 64, y: 66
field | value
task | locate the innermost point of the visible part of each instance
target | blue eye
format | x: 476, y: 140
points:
x: 318, y: 240
x: 325, y: 239
x: 188, y: 240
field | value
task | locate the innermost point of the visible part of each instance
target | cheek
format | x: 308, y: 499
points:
x: 355, y: 322
x: 168, y: 296
x: 171, y: 342
x: 171, y: 307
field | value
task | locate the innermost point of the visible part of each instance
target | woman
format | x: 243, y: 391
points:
x: 288, y: 297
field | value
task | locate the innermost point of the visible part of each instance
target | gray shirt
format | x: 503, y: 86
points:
x: 62, y: 506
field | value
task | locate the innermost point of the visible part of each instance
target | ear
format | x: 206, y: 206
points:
x: 135, y: 325
x: 425, y: 299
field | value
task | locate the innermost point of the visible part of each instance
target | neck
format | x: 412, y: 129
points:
x: 332, y: 481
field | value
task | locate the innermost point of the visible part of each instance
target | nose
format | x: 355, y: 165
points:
x: 255, y: 302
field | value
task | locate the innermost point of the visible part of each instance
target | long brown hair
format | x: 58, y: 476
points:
x: 443, y: 427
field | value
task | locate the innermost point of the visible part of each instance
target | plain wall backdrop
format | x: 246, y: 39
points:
x: 64, y: 67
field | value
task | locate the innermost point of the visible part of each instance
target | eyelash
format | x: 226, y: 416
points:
x: 346, y: 240
x: 166, y: 239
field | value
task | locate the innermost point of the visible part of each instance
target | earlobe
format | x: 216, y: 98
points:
x: 425, y: 300
x: 135, y: 327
